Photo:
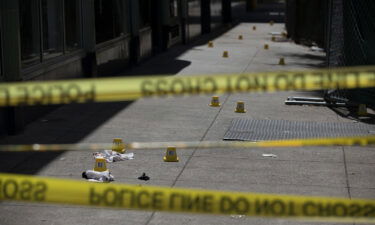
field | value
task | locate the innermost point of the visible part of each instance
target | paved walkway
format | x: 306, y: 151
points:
x: 334, y: 171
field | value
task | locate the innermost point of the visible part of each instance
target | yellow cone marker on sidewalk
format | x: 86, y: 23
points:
x: 282, y: 62
x: 225, y: 54
x: 215, y: 101
x: 271, y: 22
x: 100, y: 164
x: 362, y: 110
x: 273, y: 38
x: 118, y: 145
x: 284, y: 34
x: 266, y: 47
x: 171, y: 155
x: 240, y: 37
x: 210, y: 44
x: 240, y: 107
x: 254, y: 27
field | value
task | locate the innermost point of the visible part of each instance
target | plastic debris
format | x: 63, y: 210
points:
x: 113, y: 156
x: 275, y: 33
x: 144, y: 177
x: 237, y: 216
x: 95, y: 176
x: 269, y: 155
x: 316, y: 49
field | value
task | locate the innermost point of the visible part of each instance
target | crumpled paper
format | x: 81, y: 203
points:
x: 112, y: 156
x: 95, y: 176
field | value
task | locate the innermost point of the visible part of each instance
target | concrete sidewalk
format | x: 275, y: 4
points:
x: 335, y: 171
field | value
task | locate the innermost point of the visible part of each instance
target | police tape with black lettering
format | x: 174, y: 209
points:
x: 52, y: 190
x: 131, y: 88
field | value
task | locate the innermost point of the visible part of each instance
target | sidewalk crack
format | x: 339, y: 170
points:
x: 346, y: 172
x: 203, y: 137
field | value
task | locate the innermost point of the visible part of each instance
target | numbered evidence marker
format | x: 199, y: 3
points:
x: 215, y: 102
x: 100, y: 165
x: 118, y: 145
x: 171, y: 155
x: 240, y: 107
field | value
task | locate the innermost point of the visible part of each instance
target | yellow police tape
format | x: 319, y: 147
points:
x: 336, y: 141
x: 131, y: 88
x: 62, y: 191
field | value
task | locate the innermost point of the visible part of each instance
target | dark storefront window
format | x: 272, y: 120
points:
x: 52, y: 21
x: 42, y: 29
x: 30, y: 31
x: 107, y: 19
x: 145, y: 13
x: 1, y: 52
x: 72, y: 25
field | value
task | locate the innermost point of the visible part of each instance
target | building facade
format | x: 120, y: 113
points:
x: 60, y: 39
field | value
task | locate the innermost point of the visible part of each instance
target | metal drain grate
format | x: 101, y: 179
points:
x: 257, y: 130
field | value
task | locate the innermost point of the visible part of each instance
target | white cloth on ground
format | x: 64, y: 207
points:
x: 112, y: 156
x: 96, y: 176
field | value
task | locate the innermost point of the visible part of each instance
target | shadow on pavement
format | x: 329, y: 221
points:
x: 351, y: 113
x: 67, y: 124
x: 167, y: 63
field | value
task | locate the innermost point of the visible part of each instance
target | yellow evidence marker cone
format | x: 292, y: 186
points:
x: 118, y: 145
x: 100, y: 164
x: 284, y: 34
x: 282, y: 62
x: 240, y: 107
x: 271, y: 23
x: 273, y: 38
x: 225, y: 54
x: 240, y: 37
x: 266, y: 46
x: 171, y: 155
x: 362, y: 110
x: 215, y: 102
x: 210, y: 44
x: 254, y: 27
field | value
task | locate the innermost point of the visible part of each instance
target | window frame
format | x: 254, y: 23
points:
x: 44, y: 58
x: 80, y: 24
x: 122, y: 25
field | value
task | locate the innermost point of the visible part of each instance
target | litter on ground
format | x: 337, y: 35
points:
x: 95, y: 176
x: 112, y: 156
x: 269, y: 155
